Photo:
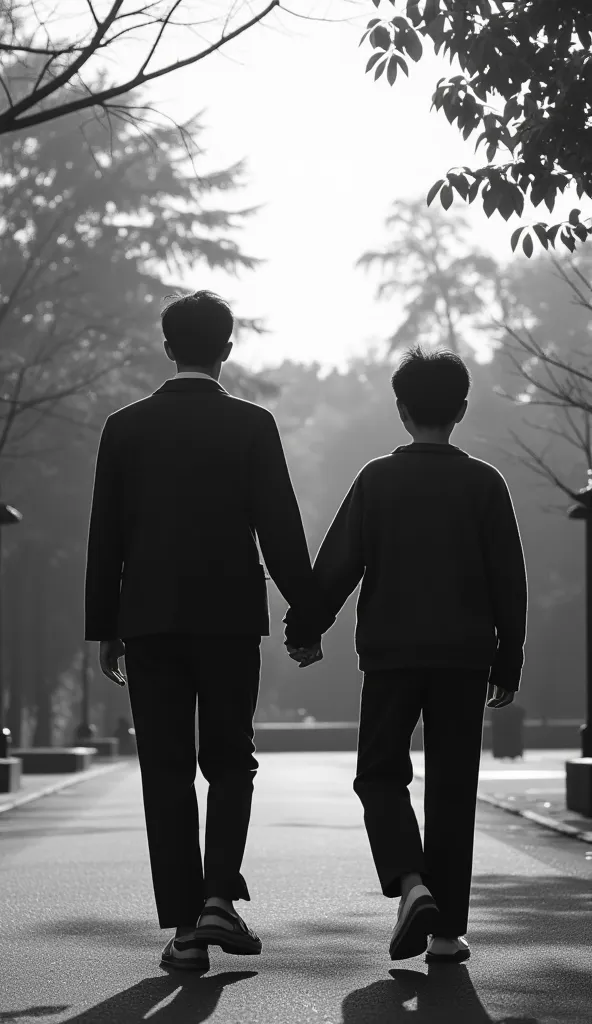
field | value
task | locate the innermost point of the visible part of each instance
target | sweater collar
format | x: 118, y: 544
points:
x: 421, y: 447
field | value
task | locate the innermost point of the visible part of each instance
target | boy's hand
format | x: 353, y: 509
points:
x: 497, y: 697
x: 110, y: 651
x: 305, y: 656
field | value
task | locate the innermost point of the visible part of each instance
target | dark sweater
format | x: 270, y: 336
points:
x: 432, y: 534
x: 187, y: 481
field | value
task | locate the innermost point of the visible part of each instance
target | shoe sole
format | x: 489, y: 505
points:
x: 412, y: 940
x: 448, y: 958
x: 228, y: 943
x: 185, y: 965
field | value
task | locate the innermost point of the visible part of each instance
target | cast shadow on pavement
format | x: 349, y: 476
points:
x: 194, y: 999
x: 445, y: 995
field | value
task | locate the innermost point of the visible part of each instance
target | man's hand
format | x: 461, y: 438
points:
x: 497, y: 697
x: 305, y: 656
x: 110, y: 651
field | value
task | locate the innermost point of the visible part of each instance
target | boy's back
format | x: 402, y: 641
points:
x: 432, y: 533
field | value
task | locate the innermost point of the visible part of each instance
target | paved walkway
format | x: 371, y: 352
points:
x: 533, y: 787
x: 79, y: 942
x: 33, y: 787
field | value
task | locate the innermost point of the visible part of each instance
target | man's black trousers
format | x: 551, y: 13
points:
x: 452, y: 703
x: 168, y: 674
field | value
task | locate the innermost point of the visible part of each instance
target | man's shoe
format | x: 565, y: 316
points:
x: 447, y: 951
x: 240, y: 939
x: 185, y: 954
x: 418, y: 917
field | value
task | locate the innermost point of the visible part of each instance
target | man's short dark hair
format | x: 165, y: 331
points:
x: 197, y: 327
x: 432, y: 385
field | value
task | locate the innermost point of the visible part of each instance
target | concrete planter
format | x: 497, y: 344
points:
x: 106, y: 746
x: 10, y: 774
x: 55, y: 760
x: 578, y: 785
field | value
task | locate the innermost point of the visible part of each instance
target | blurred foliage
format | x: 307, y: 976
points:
x: 94, y: 221
x: 533, y: 59
x: 451, y: 289
x: 97, y: 225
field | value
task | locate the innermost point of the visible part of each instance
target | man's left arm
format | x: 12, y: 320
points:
x: 104, y: 561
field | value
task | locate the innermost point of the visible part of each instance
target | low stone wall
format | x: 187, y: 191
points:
x: 551, y: 734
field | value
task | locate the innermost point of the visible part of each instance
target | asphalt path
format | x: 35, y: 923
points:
x: 79, y: 940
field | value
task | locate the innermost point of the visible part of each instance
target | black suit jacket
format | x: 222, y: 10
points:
x: 185, y: 481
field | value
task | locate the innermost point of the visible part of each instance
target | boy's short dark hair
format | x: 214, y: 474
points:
x: 432, y: 385
x: 197, y: 327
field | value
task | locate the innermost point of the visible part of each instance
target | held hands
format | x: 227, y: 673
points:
x: 110, y: 651
x: 497, y: 697
x: 305, y: 656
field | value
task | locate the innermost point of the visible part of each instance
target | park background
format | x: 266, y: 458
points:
x: 297, y: 161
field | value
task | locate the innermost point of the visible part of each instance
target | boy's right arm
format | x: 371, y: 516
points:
x: 339, y: 565
x: 507, y: 578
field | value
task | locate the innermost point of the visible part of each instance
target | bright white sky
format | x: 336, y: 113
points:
x: 328, y: 150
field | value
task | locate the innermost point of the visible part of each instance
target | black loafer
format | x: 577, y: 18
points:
x: 185, y: 954
x: 240, y: 939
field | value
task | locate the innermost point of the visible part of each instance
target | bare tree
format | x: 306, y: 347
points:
x: 555, y: 380
x: 66, y: 78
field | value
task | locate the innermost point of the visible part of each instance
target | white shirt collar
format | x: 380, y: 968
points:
x: 194, y: 373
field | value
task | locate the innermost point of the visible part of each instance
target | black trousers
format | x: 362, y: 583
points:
x: 168, y: 675
x: 452, y: 702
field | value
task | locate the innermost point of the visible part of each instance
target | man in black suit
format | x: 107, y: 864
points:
x: 187, y: 481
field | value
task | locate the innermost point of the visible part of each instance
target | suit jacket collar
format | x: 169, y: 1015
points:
x: 192, y: 386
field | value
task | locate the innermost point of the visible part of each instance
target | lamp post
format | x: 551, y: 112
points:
x: 8, y: 516
x: 85, y: 730
x: 583, y: 510
x: 579, y: 770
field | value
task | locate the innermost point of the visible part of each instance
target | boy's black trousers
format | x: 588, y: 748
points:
x: 167, y: 675
x: 452, y: 702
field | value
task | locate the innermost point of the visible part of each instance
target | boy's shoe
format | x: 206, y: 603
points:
x: 447, y: 951
x: 185, y: 954
x: 418, y: 917
x: 240, y: 939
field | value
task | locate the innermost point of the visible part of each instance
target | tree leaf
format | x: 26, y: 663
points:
x: 474, y: 190
x: 446, y: 196
x: 380, y: 37
x: 574, y: 217
x: 460, y: 183
x: 434, y: 191
x: 412, y: 44
x: 516, y: 237
x: 490, y: 200
x: 527, y: 246
x: 380, y: 68
x: 412, y: 12
x: 374, y: 60
x: 541, y: 233
x: 393, y: 67
x: 402, y: 64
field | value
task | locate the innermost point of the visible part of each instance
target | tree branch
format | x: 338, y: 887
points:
x: 11, y: 121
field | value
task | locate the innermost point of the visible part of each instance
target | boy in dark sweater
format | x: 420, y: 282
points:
x: 441, y: 624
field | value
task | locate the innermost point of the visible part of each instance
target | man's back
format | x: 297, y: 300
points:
x: 433, y: 533
x: 187, y: 480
